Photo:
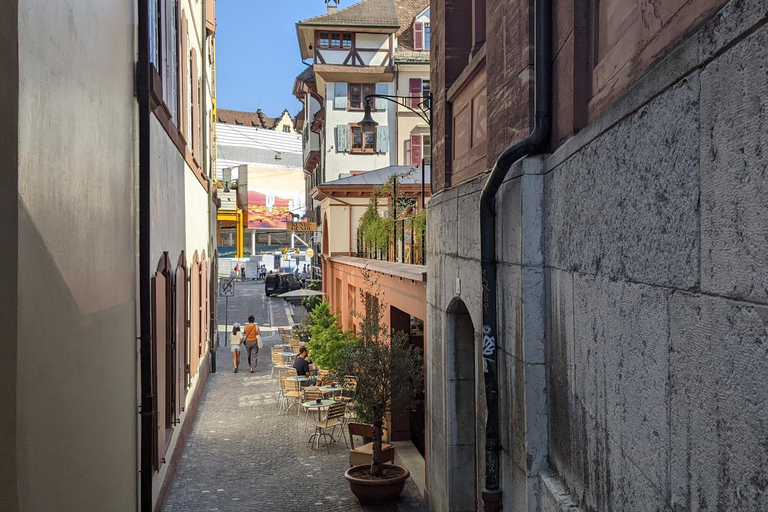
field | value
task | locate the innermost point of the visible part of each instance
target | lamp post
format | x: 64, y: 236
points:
x: 423, y: 110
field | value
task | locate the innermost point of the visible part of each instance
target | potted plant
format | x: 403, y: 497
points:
x: 390, y: 374
x: 327, y: 343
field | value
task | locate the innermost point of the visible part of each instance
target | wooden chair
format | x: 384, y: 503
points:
x: 290, y: 394
x: 310, y: 395
x: 278, y: 362
x: 348, y: 388
x: 364, y: 454
x: 334, y: 418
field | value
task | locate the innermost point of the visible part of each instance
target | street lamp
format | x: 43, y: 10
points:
x: 368, y: 125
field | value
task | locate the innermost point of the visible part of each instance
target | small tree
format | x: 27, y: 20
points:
x: 327, y: 343
x: 390, y: 373
x: 312, y: 302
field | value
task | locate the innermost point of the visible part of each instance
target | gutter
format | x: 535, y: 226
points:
x: 146, y: 410
x: 536, y: 142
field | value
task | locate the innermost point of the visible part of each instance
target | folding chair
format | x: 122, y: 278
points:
x: 290, y: 392
x: 310, y: 395
x: 333, y: 419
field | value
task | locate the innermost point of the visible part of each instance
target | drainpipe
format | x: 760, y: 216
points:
x: 213, y: 266
x: 145, y: 292
x: 536, y: 142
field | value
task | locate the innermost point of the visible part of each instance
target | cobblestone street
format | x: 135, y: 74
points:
x: 244, y: 456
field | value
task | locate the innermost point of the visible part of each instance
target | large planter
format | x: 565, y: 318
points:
x: 375, y: 490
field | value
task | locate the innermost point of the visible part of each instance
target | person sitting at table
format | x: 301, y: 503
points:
x: 300, y: 364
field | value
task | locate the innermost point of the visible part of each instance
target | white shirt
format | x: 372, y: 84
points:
x: 236, y: 339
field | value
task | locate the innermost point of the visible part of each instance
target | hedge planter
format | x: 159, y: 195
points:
x: 385, y: 488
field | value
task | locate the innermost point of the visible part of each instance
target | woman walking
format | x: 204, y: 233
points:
x: 236, y: 340
x: 252, y: 333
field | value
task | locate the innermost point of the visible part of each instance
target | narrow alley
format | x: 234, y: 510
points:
x: 244, y: 456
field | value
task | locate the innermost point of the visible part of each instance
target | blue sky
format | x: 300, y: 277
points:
x: 257, y: 53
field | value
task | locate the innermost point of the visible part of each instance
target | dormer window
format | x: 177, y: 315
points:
x: 346, y: 40
x: 323, y: 42
x: 336, y: 40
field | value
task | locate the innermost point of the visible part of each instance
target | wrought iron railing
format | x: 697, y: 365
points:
x: 405, y: 244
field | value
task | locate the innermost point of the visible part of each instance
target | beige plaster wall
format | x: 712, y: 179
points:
x: 76, y: 386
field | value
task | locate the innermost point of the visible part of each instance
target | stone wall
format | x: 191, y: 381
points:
x: 632, y: 292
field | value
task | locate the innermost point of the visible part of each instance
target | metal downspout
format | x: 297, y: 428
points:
x: 536, y: 142
x: 213, y: 266
x: 145, y: 291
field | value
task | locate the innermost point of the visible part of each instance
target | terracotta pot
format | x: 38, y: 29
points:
x: 375, y: 490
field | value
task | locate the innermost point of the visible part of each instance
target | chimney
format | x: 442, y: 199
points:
x: 333, y: 5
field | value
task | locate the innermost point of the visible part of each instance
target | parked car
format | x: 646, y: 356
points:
x: 276, y: 284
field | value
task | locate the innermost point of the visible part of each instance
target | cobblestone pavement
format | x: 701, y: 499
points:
x: 244, y: 456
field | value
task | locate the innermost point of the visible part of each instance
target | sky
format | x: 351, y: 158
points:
x: 257, y: 52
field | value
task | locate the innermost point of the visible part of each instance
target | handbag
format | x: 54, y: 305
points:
x: 258, y: 340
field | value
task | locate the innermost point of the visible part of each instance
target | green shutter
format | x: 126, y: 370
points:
x: 342, y: 138
x: 382, y: 139
x: 381, y: 104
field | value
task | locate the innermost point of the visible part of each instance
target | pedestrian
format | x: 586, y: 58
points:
x: 242, y: 272
x: 236, y: 340
x: 237, y: 271
x: 252, y: 339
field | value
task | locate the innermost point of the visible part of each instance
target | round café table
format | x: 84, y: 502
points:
x: 330, y: 390
x: 314, y: 406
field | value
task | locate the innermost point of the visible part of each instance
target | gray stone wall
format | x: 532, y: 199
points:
x: 632, y: 292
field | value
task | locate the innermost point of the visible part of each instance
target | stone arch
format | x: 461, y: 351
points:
x: 460, y: 407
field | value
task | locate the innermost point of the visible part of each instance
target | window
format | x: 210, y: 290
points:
x: 426, y: 36
x: 424, y: 90
x: 164, y: 51
x: 335, y: 40
x: 357, y: 94
x: 362, y: 142
x: 346, y: 41
x: 324, y: 39
x: 426, y: 148
x: 287, y: 129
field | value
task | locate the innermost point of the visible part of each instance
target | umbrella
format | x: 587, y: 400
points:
x: 304, y: 292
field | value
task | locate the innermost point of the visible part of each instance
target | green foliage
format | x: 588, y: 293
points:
x: 327, y: 344
x: 390, y: 372
x: 375, y: 230
x: 419, y: 225
x: 312, y: 302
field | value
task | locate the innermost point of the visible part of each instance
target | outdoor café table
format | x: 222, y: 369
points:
x: 288, y: 355
x: 313, y: 405
x: 281, y: 345
x: 331, y: 390
x: 300, y: 378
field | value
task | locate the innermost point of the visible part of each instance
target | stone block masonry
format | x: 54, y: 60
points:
x: 633, y: 295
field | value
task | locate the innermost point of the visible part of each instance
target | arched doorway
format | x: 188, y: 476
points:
x: 461, y: 408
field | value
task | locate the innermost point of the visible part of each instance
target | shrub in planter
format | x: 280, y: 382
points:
x: 389, y: 372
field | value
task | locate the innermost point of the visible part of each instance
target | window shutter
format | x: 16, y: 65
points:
x: 184, y: 79
x: 180, y: 302
x: 194, y: 316
x: 382, y: 139
x: 418, y: 36
x: 381, y: 104
x: 415, y: 149
x: 340, y: 96
x: 342, y: 138
x: 195, y: 105
x: 159, y: 346
x: 414, y: 88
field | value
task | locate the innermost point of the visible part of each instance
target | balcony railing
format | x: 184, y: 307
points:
x: 406, y: 244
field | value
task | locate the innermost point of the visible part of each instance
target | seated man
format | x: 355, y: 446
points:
x: 301, y: 365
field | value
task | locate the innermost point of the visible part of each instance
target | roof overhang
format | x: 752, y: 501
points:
x: 305, y: 33
x: 358, y: 74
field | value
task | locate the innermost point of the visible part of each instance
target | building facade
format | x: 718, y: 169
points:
x: 629, y: 248
x: 372, y: 47
x: 108, y: 216
x: 261, y: 177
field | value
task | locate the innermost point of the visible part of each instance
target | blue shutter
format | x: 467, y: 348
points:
x: 340, y: 96
x: 342, y: 138
x: 382, y: 139
x: 381, y: 104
